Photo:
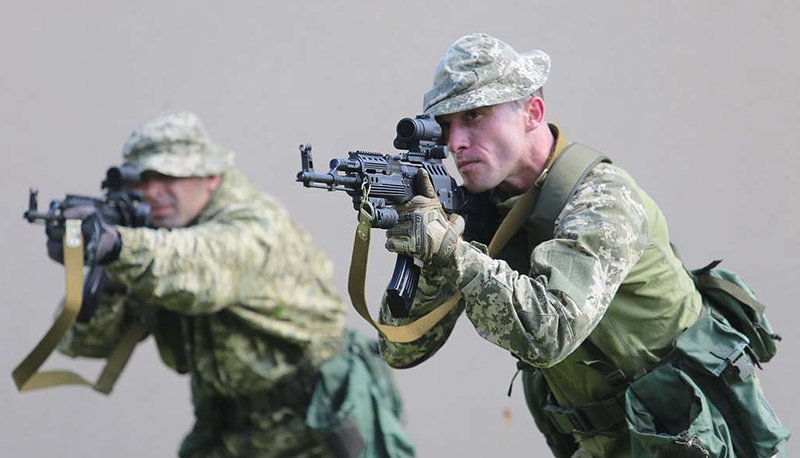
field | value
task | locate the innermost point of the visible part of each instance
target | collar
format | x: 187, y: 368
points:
x: 233, y: 187
x: 560, y: 143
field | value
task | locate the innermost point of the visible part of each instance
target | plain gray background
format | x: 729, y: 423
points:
x: 698, y: 100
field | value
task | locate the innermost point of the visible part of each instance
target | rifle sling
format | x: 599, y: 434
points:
x: 25, y: 375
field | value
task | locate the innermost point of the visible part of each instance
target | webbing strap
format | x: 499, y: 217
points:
x: 592, y: 419
x: 25, y: 375
x: 568, y: 172
x: 706, y: 281
x: 355, y: 286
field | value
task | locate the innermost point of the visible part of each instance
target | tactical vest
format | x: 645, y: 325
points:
x: 669, y: 370
x: 657, y: 292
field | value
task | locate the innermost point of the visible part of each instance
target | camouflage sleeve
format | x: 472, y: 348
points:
x: 97, y: 337
x: 198, y: 269
x: 432, y: 291
x: 542, y: 318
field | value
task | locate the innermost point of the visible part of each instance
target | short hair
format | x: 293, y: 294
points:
x: 518, y: 104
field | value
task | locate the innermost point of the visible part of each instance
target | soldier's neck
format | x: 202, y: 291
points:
x: 531, y: 165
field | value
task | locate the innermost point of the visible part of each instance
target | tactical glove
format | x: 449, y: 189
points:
x: 101, y: 242
x: 424, y: 231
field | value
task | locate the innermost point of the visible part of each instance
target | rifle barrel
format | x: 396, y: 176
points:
x: 329, y: 179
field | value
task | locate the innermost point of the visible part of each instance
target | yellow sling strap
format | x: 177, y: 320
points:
x: 416, y: 329
x: 25, y: 375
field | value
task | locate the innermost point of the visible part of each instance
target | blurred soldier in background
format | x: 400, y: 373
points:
x: 237, y: 295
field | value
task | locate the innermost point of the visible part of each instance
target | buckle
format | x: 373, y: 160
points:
x: 735, y: 359
x: 568, y: 420
x: 743, y: 364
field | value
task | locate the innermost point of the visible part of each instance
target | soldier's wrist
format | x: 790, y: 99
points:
x: 467, y: 262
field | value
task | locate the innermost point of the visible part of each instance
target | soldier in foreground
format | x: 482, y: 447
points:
x: 620, y: 354
x: 238, y: 296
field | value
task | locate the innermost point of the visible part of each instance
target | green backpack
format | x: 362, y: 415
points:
x: 704, y: 399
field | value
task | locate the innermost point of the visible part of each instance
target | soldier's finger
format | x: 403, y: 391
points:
x: 423, y: 185
x: 457, y: 222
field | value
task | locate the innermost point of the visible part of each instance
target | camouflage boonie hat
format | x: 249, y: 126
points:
x: 176, y: 144
x: 479, y: 70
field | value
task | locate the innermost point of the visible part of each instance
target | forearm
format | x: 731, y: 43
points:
x: 538, y: 318
x: 543, y: 316
x: 196, y: 270
x: 431, y: 293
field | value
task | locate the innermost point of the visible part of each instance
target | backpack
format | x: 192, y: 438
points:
x: 705, y: 398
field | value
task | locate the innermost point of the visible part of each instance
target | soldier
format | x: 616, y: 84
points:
x: 588, y: 308
x: 239, y: 297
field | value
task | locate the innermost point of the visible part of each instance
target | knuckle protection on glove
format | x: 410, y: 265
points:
x: 399, y: 245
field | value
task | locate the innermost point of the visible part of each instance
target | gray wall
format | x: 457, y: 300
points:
x: 698, y: 100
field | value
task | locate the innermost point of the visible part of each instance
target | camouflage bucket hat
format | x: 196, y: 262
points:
x: 176, y: 144
x: 479, y: 70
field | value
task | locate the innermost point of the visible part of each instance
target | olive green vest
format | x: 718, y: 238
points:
x: 654, y: 304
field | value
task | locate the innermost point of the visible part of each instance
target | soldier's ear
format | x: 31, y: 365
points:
x: 534, y: 109
x: 214, y: 182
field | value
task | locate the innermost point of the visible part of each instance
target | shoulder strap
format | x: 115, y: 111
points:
x: 567, y: 173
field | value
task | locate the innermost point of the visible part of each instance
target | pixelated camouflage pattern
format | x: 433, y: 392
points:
x: 479, y: 70
x: 176, y: 144
x: 243, y: 297
x: 543, y: 318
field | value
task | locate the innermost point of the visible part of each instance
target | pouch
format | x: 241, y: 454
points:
x: 704, y: 401
x: 355, y: 406
x: 731, y: 297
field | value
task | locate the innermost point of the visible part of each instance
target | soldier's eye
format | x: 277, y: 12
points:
x: 472, y: 115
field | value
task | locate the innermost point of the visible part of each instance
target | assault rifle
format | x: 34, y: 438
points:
x: 120, y: 206
x: 378, y: 181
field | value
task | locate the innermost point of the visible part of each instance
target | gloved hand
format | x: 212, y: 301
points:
x: 101, y: 242
x: 424, y: 231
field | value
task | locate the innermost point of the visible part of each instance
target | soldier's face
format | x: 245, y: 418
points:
x: 487, y: 144
x: 174, y: 201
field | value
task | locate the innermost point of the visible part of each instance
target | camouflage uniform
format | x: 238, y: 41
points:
x: 243, y: 301
x: 589, y: 283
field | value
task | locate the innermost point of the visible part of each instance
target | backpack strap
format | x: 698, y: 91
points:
x: 566, y: 174
x: 705, y: 281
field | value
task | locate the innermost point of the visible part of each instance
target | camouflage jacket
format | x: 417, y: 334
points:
x: 241, y: 296
x: 542, y: 312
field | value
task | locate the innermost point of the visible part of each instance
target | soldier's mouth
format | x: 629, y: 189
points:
x: 161, y: 210
x: 466, y: 165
